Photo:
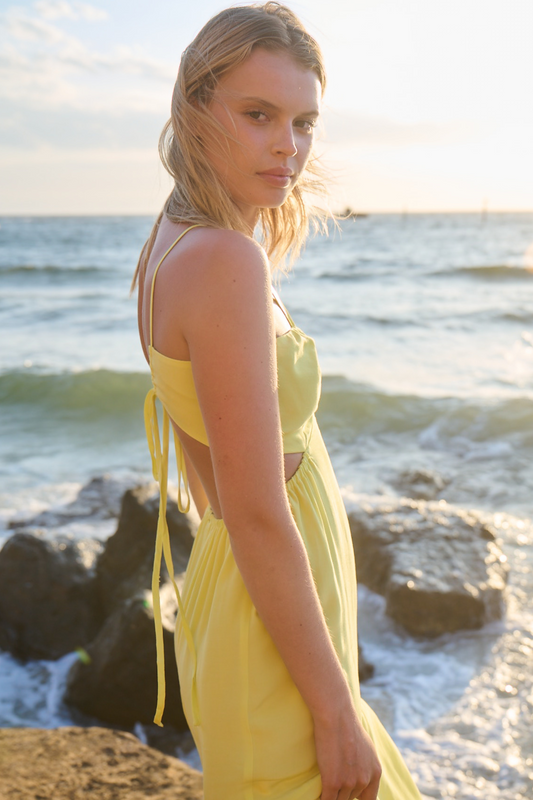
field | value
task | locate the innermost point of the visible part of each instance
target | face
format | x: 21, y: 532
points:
x: 270, y: 105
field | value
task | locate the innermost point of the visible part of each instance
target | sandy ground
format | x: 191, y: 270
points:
x: 76, y: 763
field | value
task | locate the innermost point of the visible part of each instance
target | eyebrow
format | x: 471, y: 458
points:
x: 272, y: 107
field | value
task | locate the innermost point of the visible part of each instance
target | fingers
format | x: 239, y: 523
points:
x: 361, y: 791
x: 370, y: 792
x: 329, y: 792
x: 347, y: 759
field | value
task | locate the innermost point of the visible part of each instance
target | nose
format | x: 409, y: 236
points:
x: 284, y: 142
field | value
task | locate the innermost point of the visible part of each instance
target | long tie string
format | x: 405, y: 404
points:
x: 162, y: 546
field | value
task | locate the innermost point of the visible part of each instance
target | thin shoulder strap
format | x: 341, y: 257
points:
x: 182, y: 234
x: 280, y: 305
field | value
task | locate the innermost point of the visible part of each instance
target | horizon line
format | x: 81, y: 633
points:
x: 360, y: 212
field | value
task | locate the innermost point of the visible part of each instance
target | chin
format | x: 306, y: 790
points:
x: 275, y: 198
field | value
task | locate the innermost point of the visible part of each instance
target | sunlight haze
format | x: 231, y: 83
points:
x: 428, y: 104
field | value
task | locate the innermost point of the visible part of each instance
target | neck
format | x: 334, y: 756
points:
x: 250, y: 217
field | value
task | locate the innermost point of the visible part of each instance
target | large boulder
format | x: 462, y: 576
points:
x: 77, y: 763
x: 439, y: 567
x: 49, y: 605
x: 124, y: 567
x: 115, y: 680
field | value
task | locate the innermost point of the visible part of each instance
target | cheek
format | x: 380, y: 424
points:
x: 248, y: 153
x: 305, y: 145
x: 253, y: 140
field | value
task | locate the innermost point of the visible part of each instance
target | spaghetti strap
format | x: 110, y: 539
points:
x: 156, y: 270
x: 280, y: 305
x: 180, y: 456
x: 159, y: 448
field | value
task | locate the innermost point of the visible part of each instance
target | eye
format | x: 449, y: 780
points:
x: 306, y: 124
x: 255, y: 115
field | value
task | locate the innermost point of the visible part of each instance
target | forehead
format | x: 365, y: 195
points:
x: 275, y: 77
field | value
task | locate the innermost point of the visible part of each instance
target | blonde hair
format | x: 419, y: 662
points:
x: 199, y: 195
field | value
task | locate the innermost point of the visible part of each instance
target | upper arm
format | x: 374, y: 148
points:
x: 230, y: 333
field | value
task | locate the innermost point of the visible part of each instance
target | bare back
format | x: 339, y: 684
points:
x: 176, y: 294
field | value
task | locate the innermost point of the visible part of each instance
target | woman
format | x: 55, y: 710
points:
x: 266, y: 637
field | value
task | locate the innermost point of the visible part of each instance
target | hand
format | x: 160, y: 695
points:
x: 347, y: 758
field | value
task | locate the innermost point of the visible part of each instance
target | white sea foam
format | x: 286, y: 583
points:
x: 31, y: 694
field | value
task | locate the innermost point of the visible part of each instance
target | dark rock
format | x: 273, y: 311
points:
x: 422, y: 484
x: 366, y: 669
x: 439, y: 567
x: 117, y: 682
x: 99, y: 499
x: 77, y: 763
x: 125, y: 566
x: 168, y: 740
x: 48, y: 603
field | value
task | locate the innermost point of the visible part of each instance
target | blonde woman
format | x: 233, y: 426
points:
x: 266, y: 636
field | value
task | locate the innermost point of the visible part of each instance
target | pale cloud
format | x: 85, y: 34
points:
x: 23, y: 28
x: 63, y: 48
x: 66, y: 129
x: 353, y: 129
x: 41, y: 65
x: 59, y: 95
x: 57, y: 9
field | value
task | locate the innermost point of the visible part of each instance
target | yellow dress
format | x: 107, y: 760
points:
x: 252, y: 729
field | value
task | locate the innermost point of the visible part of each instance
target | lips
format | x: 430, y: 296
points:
x: 278, y: 176
x: 281, y: 172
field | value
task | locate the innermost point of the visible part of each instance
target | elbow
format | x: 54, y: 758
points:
x: 267, y: 518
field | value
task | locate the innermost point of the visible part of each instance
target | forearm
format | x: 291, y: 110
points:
x: 275, y: 568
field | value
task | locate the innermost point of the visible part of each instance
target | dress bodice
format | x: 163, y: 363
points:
x: 298, y: 390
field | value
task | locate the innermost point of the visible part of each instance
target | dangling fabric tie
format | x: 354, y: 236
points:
x: 162, y: 545
x: 182, y: 473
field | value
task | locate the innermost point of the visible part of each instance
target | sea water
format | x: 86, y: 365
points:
x: 424, y: 329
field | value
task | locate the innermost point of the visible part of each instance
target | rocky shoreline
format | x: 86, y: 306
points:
x: 440, y: 568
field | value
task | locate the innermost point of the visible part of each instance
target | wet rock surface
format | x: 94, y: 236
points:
x: 439, y: 567
x: 116, y: 681
x: 420, y: 484
x: 58, y: 595
x: 366, y: 669
x: 99, y: 499
x: 76, y: 763
x: 49, y: 602
x: 124, y: 567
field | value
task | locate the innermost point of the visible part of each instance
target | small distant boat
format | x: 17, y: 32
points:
x: 349, y: 213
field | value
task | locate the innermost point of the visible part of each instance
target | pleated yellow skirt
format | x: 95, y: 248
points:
x: 252, y: 729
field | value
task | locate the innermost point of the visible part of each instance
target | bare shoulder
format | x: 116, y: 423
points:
x: 213, y: 279
x: 212, y: 258
x: 212, y: 269
x: 216, y: 254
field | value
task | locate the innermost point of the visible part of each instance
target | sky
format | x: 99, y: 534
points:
x: 429, y: 104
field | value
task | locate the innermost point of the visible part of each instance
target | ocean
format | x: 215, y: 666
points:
x: 424, y: 329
